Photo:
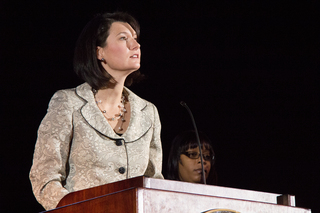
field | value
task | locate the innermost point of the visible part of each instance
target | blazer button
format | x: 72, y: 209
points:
x: 122, y: 170
x: 119, y: 142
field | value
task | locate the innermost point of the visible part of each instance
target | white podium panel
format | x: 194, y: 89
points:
x: 151, y: 200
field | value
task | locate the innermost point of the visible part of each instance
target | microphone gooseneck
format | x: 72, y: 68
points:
x: 198, y: 139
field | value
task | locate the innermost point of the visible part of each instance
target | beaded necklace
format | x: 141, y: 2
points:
x: 120, y: 115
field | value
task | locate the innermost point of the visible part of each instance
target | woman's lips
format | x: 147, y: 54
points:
x: 200, y: 171
x: 134, y: 56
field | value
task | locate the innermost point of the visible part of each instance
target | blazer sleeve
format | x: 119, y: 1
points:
x: 48, y: 171
x: 155, y: 156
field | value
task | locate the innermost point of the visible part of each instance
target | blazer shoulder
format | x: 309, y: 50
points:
x: 66, y: 97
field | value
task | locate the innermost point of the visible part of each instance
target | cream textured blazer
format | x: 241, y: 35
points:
x: 77, y: 149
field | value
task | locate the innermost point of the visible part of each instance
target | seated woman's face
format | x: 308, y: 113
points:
x: 190, y: 165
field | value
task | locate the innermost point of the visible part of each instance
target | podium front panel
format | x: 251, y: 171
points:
x: 145, y: 195
x: 218, y: 191
x: 168, y: 201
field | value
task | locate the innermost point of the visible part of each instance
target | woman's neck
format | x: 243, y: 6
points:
x: 112, y: 94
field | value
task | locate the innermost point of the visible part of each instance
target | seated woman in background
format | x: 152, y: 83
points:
x: 184, y: 162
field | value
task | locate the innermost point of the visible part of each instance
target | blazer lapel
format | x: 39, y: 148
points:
x: 139, y: 124
x: 92, y: 114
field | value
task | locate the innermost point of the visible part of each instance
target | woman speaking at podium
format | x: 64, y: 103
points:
x: 99, y: 132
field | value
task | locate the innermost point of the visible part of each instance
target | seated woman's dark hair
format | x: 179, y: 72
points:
x: 85, y: 62
x: 180, y: 144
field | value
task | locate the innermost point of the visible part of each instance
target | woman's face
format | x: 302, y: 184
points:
x: 190, y: 169
x: 122, y: 51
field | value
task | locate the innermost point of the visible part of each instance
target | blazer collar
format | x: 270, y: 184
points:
x: 139, y: 124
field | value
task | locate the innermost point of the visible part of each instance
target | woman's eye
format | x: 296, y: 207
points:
x: 193, y: 154
x: 207, y: 157
x: 123, y: 38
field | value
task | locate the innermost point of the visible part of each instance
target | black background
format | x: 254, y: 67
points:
x: 247, y: 69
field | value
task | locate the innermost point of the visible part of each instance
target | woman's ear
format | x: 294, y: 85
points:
x: 99, y: 53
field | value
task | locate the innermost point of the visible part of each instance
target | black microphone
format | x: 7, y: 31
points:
x: 198, y: 139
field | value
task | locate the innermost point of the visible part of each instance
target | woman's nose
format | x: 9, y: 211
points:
x: 199, y: 160
x: 133, y: 44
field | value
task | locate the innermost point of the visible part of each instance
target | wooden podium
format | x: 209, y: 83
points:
x: 148, y: 195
